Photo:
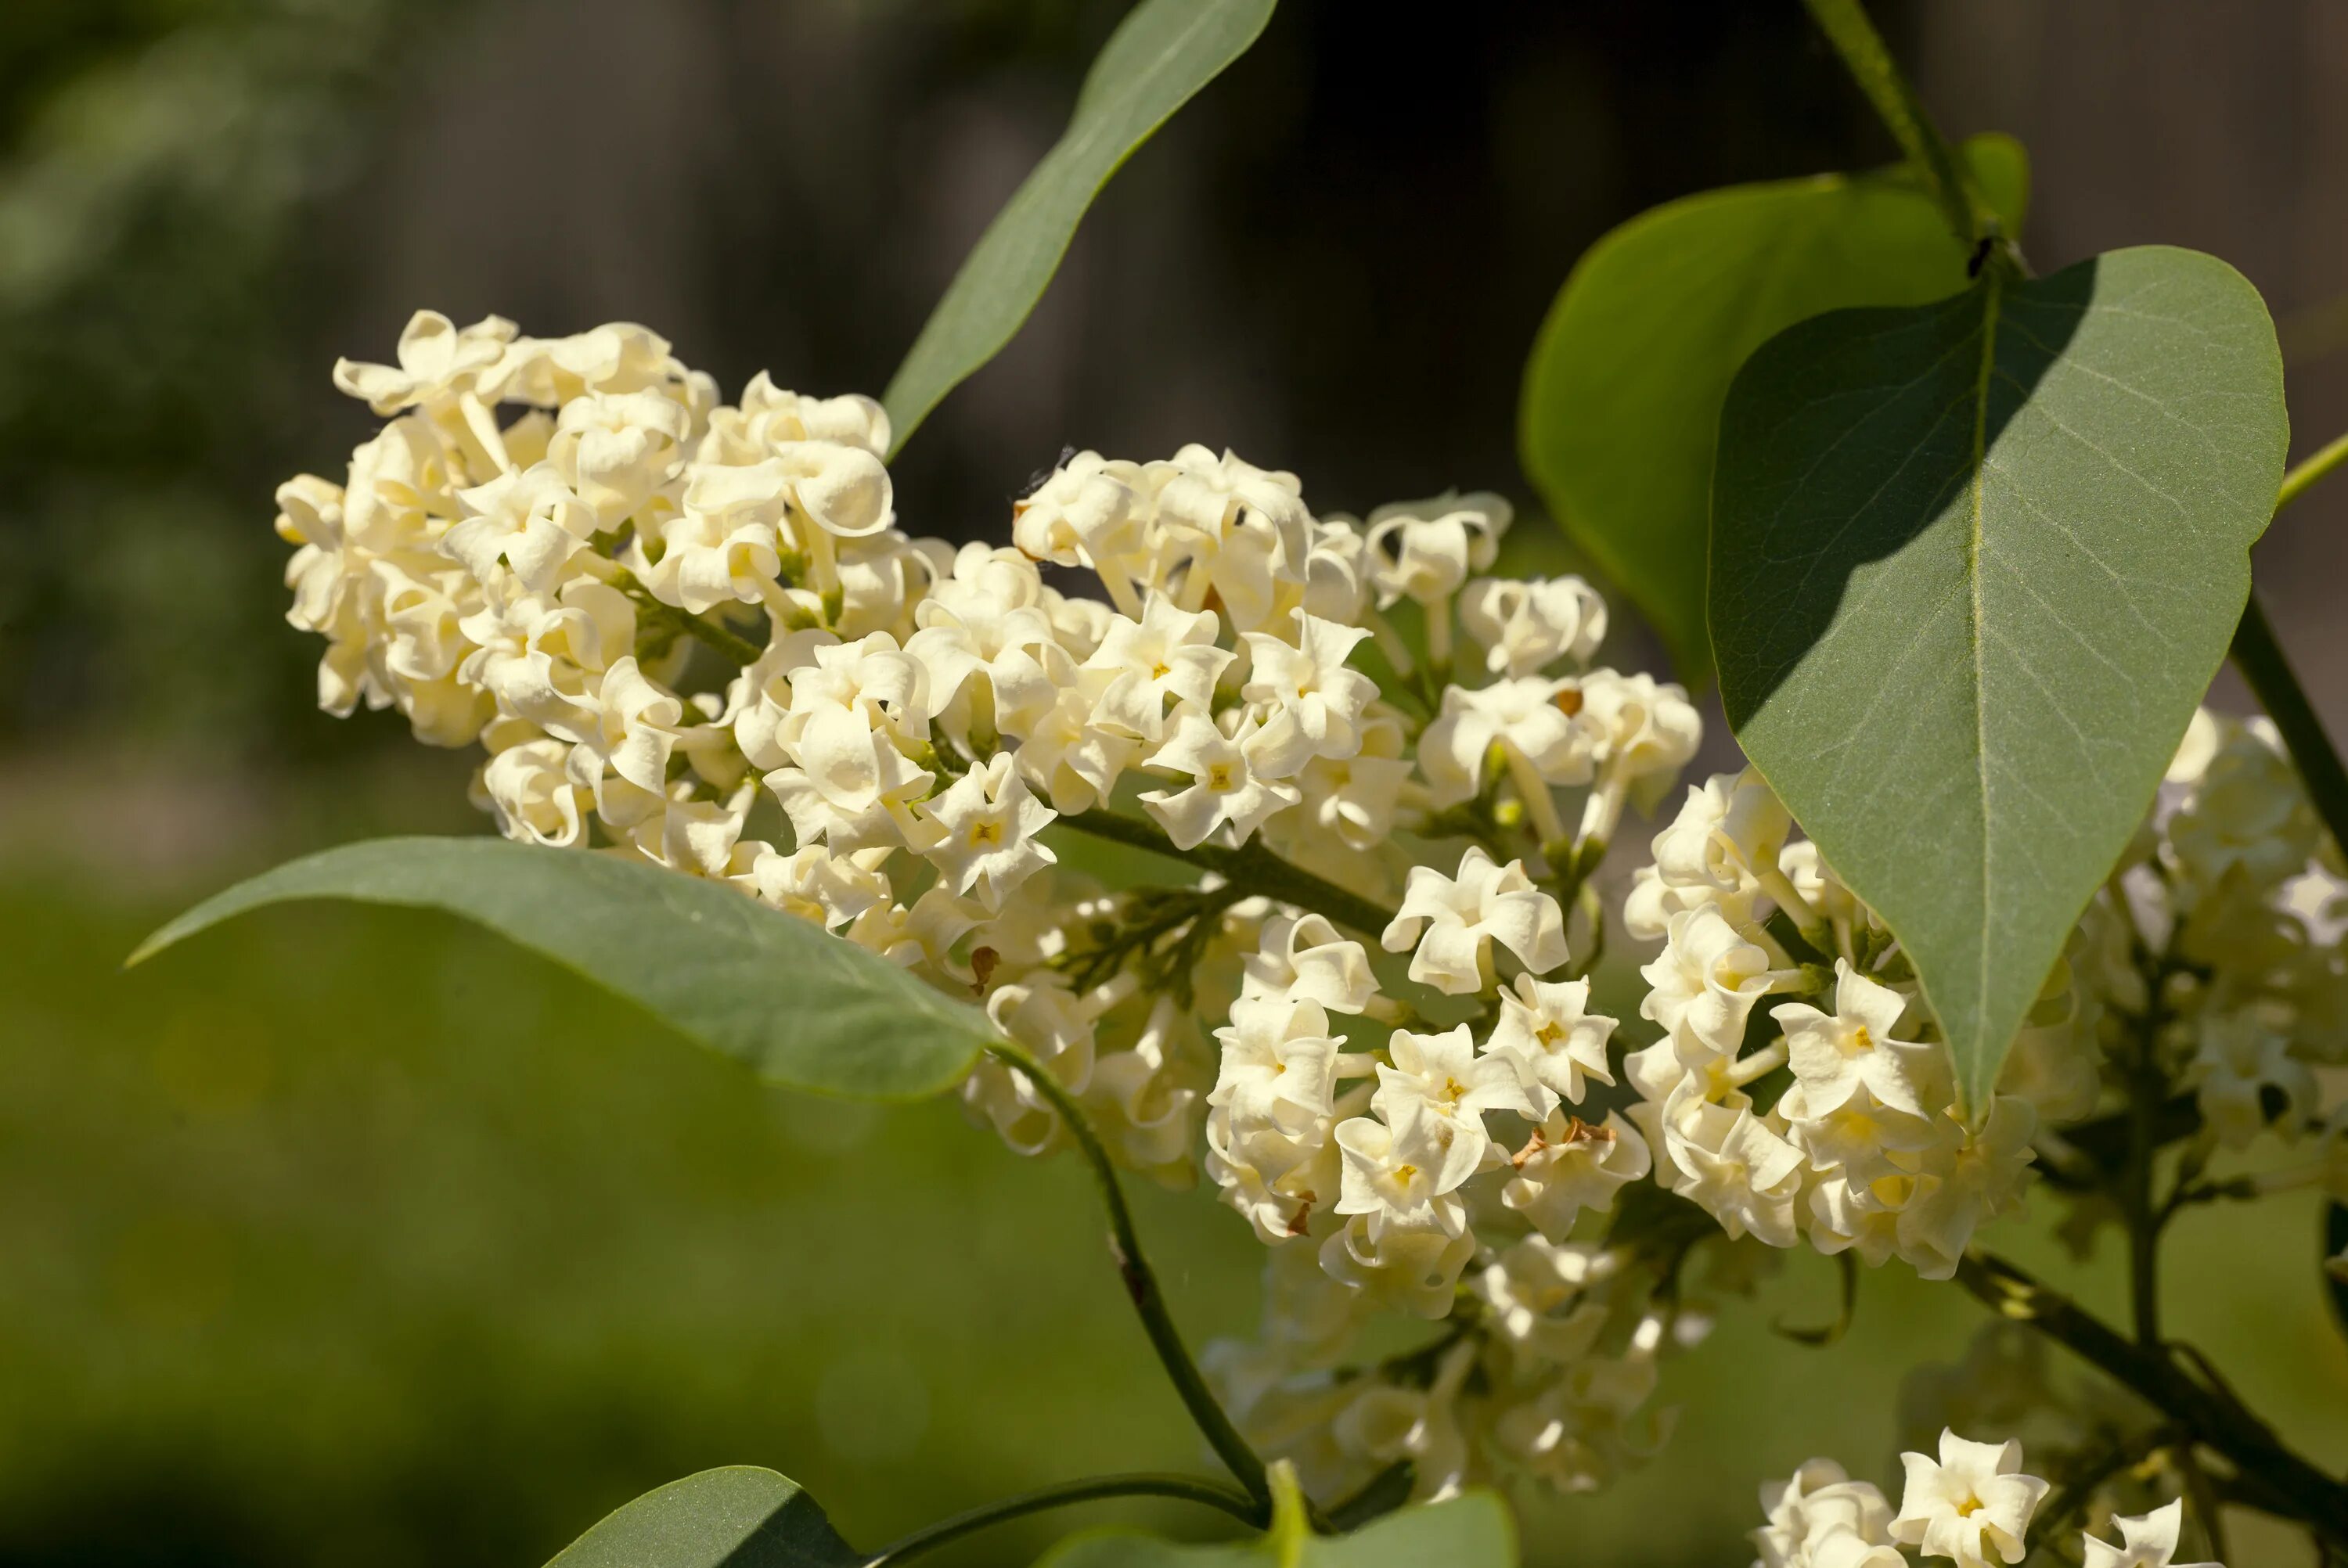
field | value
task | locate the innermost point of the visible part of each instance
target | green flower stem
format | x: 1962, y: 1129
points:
x: 1186, y: 1488
x: 732, y: 645
x: 2269, y: 674
x: 1141, y: 1286
x: 1871, y: 64
x: 1250, y: 866
x: 2284, y: 1482
x: 2147, y: 1087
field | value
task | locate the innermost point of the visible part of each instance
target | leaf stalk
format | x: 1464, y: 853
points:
x: 2269, y: 674
x: 1141, y: 1286
x: 1184, y: 1488
x: 1871, y: 64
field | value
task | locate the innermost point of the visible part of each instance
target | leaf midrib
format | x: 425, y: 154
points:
x: 1992, y: 293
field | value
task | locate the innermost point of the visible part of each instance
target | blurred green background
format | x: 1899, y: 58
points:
x: 359, y: 1239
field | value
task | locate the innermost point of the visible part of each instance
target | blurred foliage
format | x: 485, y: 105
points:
x: 163, y: 162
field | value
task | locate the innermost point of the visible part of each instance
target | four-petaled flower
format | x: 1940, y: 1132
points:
x: 1228, y: 772
x: 1449, y: 924
x: 990, y: 818
x: 1970, y: 1502
x: 1836, y: 1054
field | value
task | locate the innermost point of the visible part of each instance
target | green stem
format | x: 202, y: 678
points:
x: 1871, y: 64
x: 1141, y: 1284
x: 2146, y: 1088
x: 2293, y: 1485
x: 732, y: 645
x: 2296, y: 482
x: 1189, y: 1489
x: 1594, y: 910
x: 2260, y: 660
x: 1252, y: 866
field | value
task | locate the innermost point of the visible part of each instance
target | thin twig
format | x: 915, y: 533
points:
x: 731, y: 645
x: 1250, y: 866
x: 2269, y: 673
x: 1141, y: 1284
x: 2148, y: 1086
x: 1187, y: 1488
x: 2290, y: 1483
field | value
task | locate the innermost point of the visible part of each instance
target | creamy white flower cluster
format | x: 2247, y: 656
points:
x: 1862, y: 1146
x: 2210, y: 960
x: 531, y: 550
x: 692, y: 632
x: 2230, y: 892
x: 1972, y: 1504
x: 1544, y: 1375
x: 543, y: 546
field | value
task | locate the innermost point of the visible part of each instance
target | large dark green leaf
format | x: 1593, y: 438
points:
x: 1972, y: 566
x: 1471, y: 1530
x: 805, y: 1009
x: 738, y: 1517
x: 1623, y: 393
x: 1160, y: 56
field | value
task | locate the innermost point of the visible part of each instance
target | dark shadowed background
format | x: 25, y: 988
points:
x: 357, y: 1238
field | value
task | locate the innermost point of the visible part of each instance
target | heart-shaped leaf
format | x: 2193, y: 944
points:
x: 1158, y: 57
x: 1623, y: 393
x: 804, y: 1008
x: 1972, y: 566
x: 738, y: 1517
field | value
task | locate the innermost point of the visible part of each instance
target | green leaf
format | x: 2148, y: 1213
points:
x: 738, y: 1517
x: 1470, y: 1531
x: 1623, y: 393
x: 1973, y: 565
x: 1158, y: 57
x: 804, y: 1008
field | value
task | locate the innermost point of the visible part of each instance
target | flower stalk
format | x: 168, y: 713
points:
x: 1252, y: 866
